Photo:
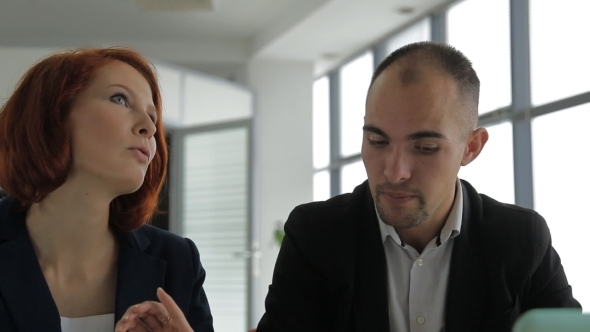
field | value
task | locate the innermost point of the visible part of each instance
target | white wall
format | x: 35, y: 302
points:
x: 283, y: 169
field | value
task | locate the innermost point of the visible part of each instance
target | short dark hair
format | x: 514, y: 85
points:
x: 440, y: 56
x: 35, y: 147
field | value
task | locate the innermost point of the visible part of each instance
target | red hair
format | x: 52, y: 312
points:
x: 35, y: 146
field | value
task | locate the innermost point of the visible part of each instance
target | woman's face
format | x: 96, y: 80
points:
x: 112, y: 122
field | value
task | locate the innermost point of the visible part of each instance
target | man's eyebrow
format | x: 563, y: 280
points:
x: 425, y: 134
x: 411, y: 137
x: 375, y: 130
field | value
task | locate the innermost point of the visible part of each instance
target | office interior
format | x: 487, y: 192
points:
x: 264, y: 101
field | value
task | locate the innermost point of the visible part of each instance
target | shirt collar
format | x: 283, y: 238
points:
x: 452, y: 226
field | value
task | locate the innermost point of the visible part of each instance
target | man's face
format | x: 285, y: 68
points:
x: 413, y: 146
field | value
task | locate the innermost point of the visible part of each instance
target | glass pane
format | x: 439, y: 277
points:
x: 492, y: 173
x: 321, y: 122
x: 215, y: 216
x: 351, y: 176
x: 481, y: 30
x: 354, y: 83
x: 414, y: 33
x: 561, y: 185
x: 559, y: 51
x: 321, y: 186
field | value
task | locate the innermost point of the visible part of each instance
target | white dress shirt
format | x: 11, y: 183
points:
x: 417, y: 283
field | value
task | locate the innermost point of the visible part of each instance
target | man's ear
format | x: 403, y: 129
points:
x: 475, y: 143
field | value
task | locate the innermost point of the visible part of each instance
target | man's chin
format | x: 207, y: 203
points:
x: 403, y: 219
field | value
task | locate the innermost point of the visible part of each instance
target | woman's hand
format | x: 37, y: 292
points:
x: 154, y: 316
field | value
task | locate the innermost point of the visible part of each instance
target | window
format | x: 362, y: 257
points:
x: 559, y: 50
x: 415, y: 33
x: 480, y: 29
x: 354, y: 84
x: 321, y: 138
x: 352, y: 175
x: 492, y: 172
x: 561, y: 184
x: 321, y: 123
x: 321, y: 186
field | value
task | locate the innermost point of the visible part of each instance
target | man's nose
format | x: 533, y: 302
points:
x: 398, y: 167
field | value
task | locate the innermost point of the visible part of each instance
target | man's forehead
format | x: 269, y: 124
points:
x: 405, y: 73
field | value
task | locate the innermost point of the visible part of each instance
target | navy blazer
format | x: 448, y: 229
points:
x: 148, y: 258
x: 331, y: 274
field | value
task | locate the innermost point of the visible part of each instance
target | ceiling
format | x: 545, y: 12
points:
x: 217, y: 41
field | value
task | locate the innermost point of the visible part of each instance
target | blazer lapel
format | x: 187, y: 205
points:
x: 467, y: 277
x: 22, y: 284
x: 371, y: 312
x: 139, y: 274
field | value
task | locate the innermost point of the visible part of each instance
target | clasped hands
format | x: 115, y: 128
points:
x: 151, y: 316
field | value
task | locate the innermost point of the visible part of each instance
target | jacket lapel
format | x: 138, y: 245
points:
x: 467, y: 277
x: 371, y: 311
x: 22, y: 284
x: 139, y: 274
x: 26, y: 293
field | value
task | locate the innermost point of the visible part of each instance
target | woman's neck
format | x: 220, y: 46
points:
x: 70, y: 231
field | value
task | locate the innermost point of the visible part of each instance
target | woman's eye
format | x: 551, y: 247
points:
x: 119, y: 99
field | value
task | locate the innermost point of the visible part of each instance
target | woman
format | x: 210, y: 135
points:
x: 83, y: 159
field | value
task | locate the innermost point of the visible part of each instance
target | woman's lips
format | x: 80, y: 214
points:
x: 138, y: 153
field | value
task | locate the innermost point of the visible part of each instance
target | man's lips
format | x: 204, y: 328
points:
x: 397, y: 197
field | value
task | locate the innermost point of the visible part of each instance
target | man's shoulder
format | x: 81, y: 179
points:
x: 495, y: 213
x: 320, y: 227
x: 336, y: 211
x: 503, y: 223
x: 494, y: 207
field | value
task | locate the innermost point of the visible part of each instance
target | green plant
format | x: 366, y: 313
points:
x: 279, y: 232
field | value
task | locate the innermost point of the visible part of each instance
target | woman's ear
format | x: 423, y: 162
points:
x: 475, y: 143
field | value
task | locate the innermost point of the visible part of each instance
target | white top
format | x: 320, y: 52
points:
x: 417, y: 283
x: 98, y: 323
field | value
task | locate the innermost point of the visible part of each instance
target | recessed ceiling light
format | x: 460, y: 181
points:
x: 405, y: 10
x: 175, y: 5
x: 330, y: 56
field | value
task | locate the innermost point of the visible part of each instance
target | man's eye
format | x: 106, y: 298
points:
x: 119, y: 99
x: 426, y: 149
x: 378, y: 143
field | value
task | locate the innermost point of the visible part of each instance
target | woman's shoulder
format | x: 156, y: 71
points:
x: 11, y: 219
x: 159, y: 242
x: 153, y: 232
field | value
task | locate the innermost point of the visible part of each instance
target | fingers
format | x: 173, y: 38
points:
x: 146, y: 316
x: 154, y: 316
x: 176, y: 316
x: 152, y: 308
x: 171, y: 307
x: 132, y: 323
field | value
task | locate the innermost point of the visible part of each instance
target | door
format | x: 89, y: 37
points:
x: 212, y: 202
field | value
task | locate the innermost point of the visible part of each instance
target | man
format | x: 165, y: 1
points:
x: 414, y: 248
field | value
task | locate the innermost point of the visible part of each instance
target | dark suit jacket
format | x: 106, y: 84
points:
x: 148, y: 258
x: 330, y: 274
